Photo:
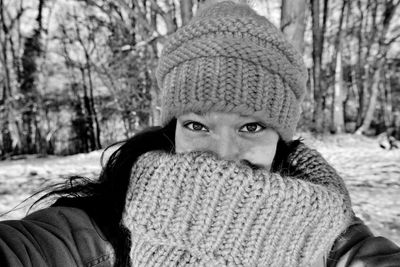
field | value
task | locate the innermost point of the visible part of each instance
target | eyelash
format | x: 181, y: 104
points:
x: 262, y: 127
x: 205, y: 129
x: 186, y: 125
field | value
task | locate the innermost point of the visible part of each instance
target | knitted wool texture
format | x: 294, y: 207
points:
x: 194, y: 210
x: 230, y: 59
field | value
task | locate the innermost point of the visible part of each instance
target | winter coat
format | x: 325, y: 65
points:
x: 54, y: 237
x: 65, y: 236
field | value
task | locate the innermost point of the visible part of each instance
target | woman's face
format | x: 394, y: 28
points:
x: 243, y: 139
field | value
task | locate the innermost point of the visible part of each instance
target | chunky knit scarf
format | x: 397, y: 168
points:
x: 195, y: 210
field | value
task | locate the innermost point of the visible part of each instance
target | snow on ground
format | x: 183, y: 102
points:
x: 371, y: 174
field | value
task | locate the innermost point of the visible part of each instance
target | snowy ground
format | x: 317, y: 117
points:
x: 371, y: 174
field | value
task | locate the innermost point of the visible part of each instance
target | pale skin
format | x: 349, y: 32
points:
x: 230, y: 136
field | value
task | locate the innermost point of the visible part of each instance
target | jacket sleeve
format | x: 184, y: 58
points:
x: 359, y: 247
x: 55, y: 236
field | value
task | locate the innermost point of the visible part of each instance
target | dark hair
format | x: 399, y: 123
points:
x: 280, y: 163
x: 109, y: 191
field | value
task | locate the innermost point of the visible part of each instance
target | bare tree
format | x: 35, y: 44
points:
x: 77, y: 39
x: 318, y: 32
x: 365, y: 40
x: 293, y: 22
x: 186, y: 10
x: 337, y: 112
x: 10, y: 72
x: 31, y: 136
x: 387, y: 103
x: 375, y: 65
x: 86, y: 70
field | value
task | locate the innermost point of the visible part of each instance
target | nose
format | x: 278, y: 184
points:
x: 227, y: 148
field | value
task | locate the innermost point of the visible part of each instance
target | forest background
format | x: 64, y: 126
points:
x: 78, y: 75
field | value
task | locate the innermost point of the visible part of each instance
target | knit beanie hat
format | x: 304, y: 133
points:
x: 230, y: 59
x: 193, y: 209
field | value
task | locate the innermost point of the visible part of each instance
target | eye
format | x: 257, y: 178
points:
x: 195, y: 126
x: 253, y: 127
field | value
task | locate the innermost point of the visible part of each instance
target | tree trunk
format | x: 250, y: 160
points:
x: 32, y: 52
x: 6, y: 140
x: 91, y: 136
x: 93, y: 126
x: 337, y: 122
x: 94, y: 118
x: 359, y: 66
x: 372, y: 100
x: 81, y: 143
x: 155, y: 116
x: 318, y: 33
x: 387, y: 103
x: 293, y: 22
x: 186, y: 11
x: 337, y: 113
x: 366, y: 40
x: 7, y: 80
x: 6, y: 146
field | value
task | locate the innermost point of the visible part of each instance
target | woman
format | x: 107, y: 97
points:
x: 221, y: 183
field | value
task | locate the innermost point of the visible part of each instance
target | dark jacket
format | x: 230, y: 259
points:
x: 55, y: 236
x: 358, y: 247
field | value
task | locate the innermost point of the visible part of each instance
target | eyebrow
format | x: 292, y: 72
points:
x: 201, y: 113
x: 207, y: 114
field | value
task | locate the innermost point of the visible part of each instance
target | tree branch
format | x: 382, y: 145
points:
x: 15, y: 19
x: 392, y: 40
x: 169, y: 21
x: 139, y: 15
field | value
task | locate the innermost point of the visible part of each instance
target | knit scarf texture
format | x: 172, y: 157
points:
x: 193, y: 209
